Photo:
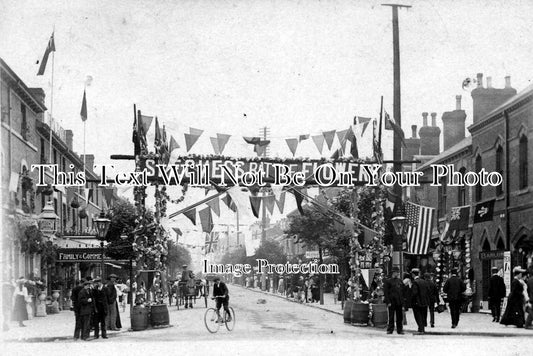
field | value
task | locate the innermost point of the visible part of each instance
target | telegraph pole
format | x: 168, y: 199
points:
x: 397, y: 148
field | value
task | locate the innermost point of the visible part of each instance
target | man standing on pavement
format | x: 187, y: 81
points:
x: 420, y: 301
x: 112, y: 318
x: 86, y: 308
x: 76, y: 307
x: 100, y: 308
x: 392, y: 289
x: 454, y: 288
x: 529, y: 306
x: 496, y: 294
x: 433, y: 297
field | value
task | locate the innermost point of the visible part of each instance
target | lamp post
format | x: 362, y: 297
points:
x: 102, y: 226
x: 398, y: 222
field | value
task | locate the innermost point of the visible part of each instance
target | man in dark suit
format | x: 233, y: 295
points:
x: 76, y: 307
x: 420, y: 301
x: 433, y: 297
x: 221, y: 294
x: 112, y: 306
x: 454, y: 289
x: 392, y: 290
x: 100, y: 308
x: 496, y: 294
x: 86, y: 304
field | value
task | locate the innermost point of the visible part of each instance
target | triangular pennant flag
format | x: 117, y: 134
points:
x: 173, y: 144
x: 341, y: 135
x: 336, y: 154
x: 214, y: 204
x: 206, y: 219
x: 83, y: 112
x: 276, y: 189
x: 157, y: 139
x: 177, y: 230
x: 365, y: 125
x: 108, y: 195
x: 319, y: 142
x: 146, y: 122
x: 293, y: 144
x: 191, y: 215
x: 229, y: 203
x: 329, y: 136
x: 222, y: 141
x: 190, y: 140
x: 303, y: 137
x: 214, y: 143
x: 270, y: 201
x: 354, y: 151
x: 260, y: 150
x: 51, y: 47
x: 255, y: 202
x: 362, y: 120
x: 280, y: 202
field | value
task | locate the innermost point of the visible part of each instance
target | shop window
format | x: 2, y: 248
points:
x: 499, y: 168
x: 522, y: 162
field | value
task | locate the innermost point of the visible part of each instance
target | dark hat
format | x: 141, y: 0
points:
x: 395, y: 269
x: 112, y: 275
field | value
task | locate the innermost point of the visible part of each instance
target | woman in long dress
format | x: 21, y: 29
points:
x: 514, y: 312
x: 20, y: 313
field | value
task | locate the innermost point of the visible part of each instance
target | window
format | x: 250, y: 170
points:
x: 479, y: 188
x: 522, y: 162
x: 55, y: 156
x: 24, y: 123
x: 64, y: 211
x: 461, y: 190
x: 43, y: 153
x: 442, y: 197
x: 499, y: 168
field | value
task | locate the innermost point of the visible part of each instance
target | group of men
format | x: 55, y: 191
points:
x: 420, y: 294
x: 95, y: 305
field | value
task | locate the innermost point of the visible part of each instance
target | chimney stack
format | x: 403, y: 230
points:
x: 89, y: 161
x: 453, y: 124
x: 507, y: 82
x: 429, y: 136
x: 480, y: 80
x: 487, y: 99
x: 412, y: 146
x: 413, y: 131
x: 69, y: 135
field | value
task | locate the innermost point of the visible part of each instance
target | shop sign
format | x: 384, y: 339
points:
x: 81, y: 255
x: 507, y: 271
x: 491, y: 255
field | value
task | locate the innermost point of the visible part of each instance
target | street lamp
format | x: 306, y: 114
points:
x: 398, y: 223
x: 48, y: 220
x: 102, y: 226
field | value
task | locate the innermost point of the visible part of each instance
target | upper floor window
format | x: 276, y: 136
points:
x: 499, y: 168
x: 461, y: 190
x: 43, y: 153
x: 24, y: 130
x: 442, y: 197
x: 479, y: 188
x: 522, y: 162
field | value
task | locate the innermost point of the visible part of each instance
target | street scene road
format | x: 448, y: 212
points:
x: 269, y: 324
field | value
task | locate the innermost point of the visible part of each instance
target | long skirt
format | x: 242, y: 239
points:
x: 20, y: 313
x: 513, y: 315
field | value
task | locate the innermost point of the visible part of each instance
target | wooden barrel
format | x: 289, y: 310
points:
x: 348, y: 305
x: 159, y: 315
x: 380, y: 316
x: 359, y: 313
x: 139, y: 318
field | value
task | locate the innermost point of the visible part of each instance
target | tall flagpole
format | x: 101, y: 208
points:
x: 84, y: 153
x: 52, y: 106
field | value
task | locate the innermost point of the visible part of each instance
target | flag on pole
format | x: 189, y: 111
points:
x: 484, y: 211
x: 419, y: 228
x: 83, y: 112
x: 51, y: 47
x: 459, y: 217
x: 390, y: 124
x: 211, y: 241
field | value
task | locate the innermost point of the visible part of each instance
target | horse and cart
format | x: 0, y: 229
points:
x: 187, y: 292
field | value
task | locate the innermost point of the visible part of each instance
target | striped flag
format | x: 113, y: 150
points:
x: 419, y: 228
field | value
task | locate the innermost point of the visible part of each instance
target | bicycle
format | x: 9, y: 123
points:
x: 212, y: 318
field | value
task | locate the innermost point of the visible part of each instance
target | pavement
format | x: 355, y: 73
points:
x: 470, y: 324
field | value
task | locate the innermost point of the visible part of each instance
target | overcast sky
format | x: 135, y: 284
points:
x: 297, y: 67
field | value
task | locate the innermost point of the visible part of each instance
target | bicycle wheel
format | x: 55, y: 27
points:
x: 211, y: 320
x: 230, y: 322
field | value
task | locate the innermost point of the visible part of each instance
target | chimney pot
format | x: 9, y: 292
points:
x: 489, y: 82
x: 458, y: 102
x: 508, y: 81
x: 413, y: 131
x: 424, y: 119
x: 433, y: 119
x: 480, y: 80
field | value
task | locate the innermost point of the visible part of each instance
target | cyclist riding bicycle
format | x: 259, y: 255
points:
x: 221, y: 294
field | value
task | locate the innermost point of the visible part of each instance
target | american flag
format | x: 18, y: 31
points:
x: 419, y: 228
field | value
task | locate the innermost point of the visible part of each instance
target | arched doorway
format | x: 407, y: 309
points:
x: 523, y: 251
